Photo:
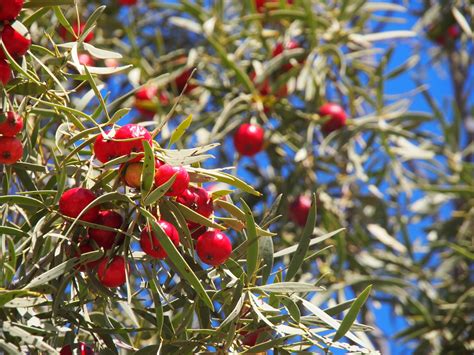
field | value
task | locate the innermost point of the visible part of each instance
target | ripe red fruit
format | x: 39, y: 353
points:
x: 214, y: 248
x: 182, y: 79
x: 11, y: 150
x: 86, y: 59
x: 144, y: 100
x: 250, y: 338
x: 5, y: 72
x: 75, y: 200
x: 265, y: 89
x: 132, y: 136
x: 68, y: 37
x: 197, y: 199
x: 12, y: 125
x: 127, y: 2
x: 165, y: 172
x: 336, y: 114
x: 80, y: 348
x: 248, y: 139
x: 299, y: 209
x: 150, y: 243
x: 10, y: 9
x: 112, y: 273
x: 16, y: 43
x: 86, y: 247
x: 453, y: 32
x: 102, y: 237
x: 146, y: 93
x: 280, y: 48
x: 105, y: 149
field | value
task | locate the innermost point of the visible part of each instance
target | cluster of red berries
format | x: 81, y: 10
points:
x: 11, y: 148
x: 213, y: 247
x: 16, y: 43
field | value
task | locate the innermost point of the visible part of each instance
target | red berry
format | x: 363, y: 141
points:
x: 10, y: 9
x: 86, y: 59
x: 12, y: 125
x: 453, y: 32
x: 299, y: 209
x: 280, y: 48
x: 165, y: 172
x: 143, y: 100
x: 182, y: 79
x: 336, y: 114
x: 132, y: 136
x: 5, y: 72
x: 75, y: 200
x: 112, y: 273
x: 250, y: 338
x: 263, y: 88
x: 11, y: 150
x: 102, y: 237
x: 16, y: 43
x: 150, y: 243
x: 146, y: 93
x: 197, y: 199
x: 104, y: 148
x: 86, y: 247
x: 213, y: 248
x: 127, y: 2
x: 80, y: 348
x: 68, y: 37
x: 260, y: 4
x: 248, y: 139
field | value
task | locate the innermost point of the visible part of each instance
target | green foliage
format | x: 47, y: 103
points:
x: 370, y: 182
